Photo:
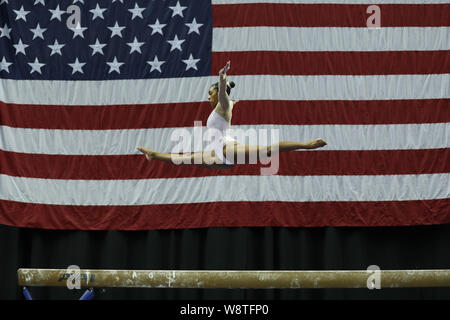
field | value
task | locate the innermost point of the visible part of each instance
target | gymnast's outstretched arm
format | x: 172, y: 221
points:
x: 224, y: 100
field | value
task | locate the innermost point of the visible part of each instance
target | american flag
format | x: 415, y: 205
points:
x: 83, y: 82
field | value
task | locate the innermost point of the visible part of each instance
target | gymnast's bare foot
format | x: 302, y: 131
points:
x: 149, y: 154
x: 317, y: 143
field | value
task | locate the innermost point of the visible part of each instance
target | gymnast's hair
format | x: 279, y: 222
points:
x: 230, y: 85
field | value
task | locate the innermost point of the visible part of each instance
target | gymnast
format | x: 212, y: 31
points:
x: 220, y: 120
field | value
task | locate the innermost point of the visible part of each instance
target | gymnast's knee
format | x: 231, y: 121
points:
x: 269, y: 151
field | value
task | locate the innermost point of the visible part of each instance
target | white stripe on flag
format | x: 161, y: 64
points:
x: 259, y: 87
x: 225, y: 188
x: 122, y: 142
x: 330, y: 39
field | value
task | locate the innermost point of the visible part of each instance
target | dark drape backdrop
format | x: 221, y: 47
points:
x: 425, y: 247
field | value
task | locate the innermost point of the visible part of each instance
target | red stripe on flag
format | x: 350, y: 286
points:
x: 302, y: 163
x: 275, y: 112
x: 226, y: 214
x: 333, y: 63
x: 329, y: 15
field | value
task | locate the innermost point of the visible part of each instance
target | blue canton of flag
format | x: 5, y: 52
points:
x: 99, y: 40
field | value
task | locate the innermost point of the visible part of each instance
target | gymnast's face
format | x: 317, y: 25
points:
x: 212, y: 96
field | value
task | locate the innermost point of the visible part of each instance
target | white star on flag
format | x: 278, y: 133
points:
x: 38, y: 32
x: 21, y: 14
x: 156, y: 64
x: 4, y: 65
x: 157, y: 27
x: 137, y: 12
x: 116, y: 30
x: 77, y: 66
x: 97, y: 47
x: 56, y: 48
x: 194, y: 26
x: 39, y: 1
x: 78, y: 31
x: 114, y: 66
x: 36, y: 66
x: 191, y: 62
x: 56, y: 13
x: 135, y: 45
x: 175, y: 43
x: 5, y: 31
x: 20, y: 47
x: 97, y: 12
x: 177, y: 10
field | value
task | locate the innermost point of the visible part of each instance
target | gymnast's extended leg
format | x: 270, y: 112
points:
x: 204, y: 159
x: 247, y: 153
x: 240, y: 152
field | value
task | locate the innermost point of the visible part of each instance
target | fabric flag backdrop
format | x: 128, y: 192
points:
x: 76, y: 101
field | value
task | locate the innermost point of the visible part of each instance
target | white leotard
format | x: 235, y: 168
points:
x: 217, y: 122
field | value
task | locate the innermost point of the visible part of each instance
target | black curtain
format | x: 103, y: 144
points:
x: 268, y: 248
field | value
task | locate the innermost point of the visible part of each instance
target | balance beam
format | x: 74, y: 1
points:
x: 235, y: 279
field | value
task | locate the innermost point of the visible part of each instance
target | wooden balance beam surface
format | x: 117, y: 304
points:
x: 235, y: 279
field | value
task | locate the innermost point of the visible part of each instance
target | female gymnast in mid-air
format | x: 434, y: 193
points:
x: 220, y: 119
